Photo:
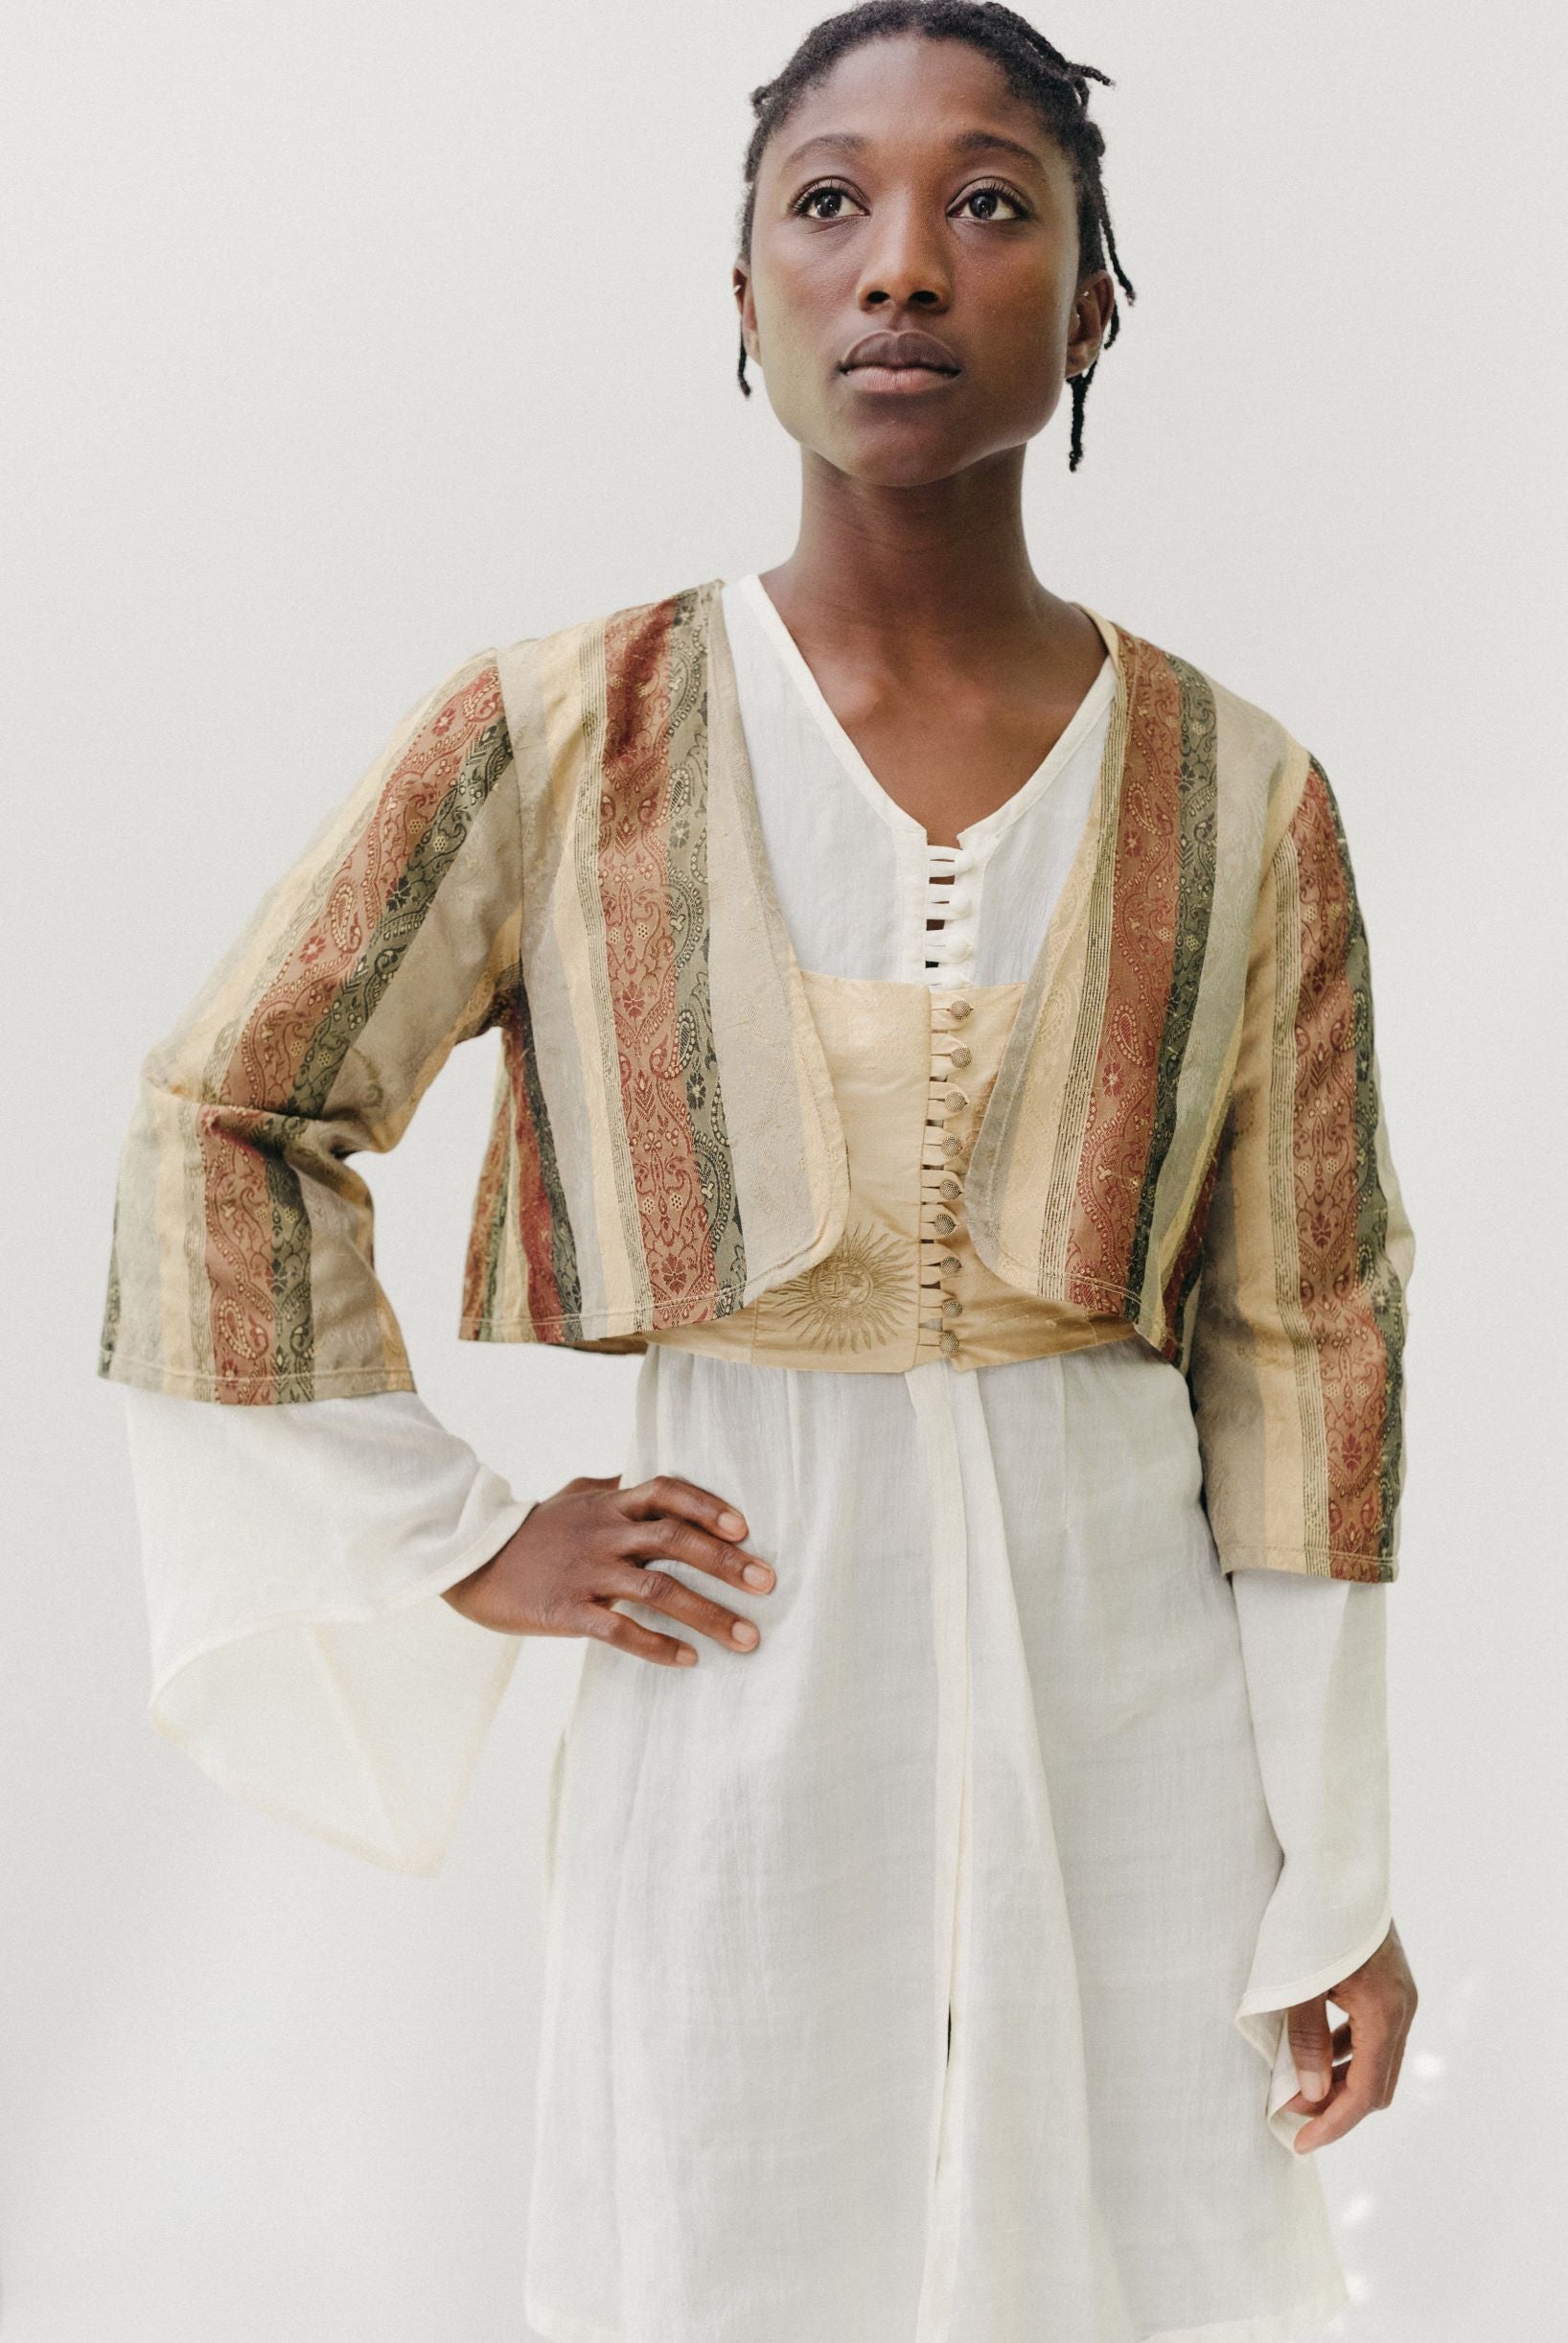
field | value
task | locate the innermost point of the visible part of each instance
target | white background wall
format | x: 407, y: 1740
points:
x: 349, y: 339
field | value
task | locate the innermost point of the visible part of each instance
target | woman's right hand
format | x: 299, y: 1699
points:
x: 590, y: 1545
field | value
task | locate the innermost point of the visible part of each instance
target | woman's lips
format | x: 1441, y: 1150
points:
x: 902, y: 363
x: 899, y: 381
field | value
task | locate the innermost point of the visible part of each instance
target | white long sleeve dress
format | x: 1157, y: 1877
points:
x: 920, y: 1976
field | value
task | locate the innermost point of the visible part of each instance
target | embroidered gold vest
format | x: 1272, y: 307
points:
x: 912, y: 1067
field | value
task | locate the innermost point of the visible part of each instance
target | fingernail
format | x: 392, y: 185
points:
x: 731, y: 1524
x: 743, y: 1632
x: 1313, y: 2086
x: 757, y: 1574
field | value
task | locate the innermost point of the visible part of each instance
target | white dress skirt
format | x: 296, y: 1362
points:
x: 920, y: 1975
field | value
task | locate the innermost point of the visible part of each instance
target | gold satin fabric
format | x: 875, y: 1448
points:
x: 911, y: 1066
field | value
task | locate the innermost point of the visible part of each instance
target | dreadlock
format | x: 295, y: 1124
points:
x: 1035, y: 72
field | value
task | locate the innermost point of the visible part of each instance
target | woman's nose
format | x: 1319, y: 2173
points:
x: 905, y: 261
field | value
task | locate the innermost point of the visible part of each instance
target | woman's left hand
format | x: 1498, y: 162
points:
x: 1346, y: 2073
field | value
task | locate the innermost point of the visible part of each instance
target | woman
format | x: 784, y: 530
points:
x: 946, y: 1955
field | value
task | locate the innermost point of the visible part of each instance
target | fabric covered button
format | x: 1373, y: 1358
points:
x: 949, y: 1186
x: 959, y: 1008
x: 943, y: 1224
x: 959, y: 1054
x: 951, y: 1305
x: 950, y: 1146
x: 950, y: 1262
x: 956, y: 1099
x: 948, y: 1342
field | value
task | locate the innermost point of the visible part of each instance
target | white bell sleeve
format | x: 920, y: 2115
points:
x: 302, y: 1655
x: 1314, y: 1656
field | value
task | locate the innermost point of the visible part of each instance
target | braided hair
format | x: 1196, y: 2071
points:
x: 1034, y: 71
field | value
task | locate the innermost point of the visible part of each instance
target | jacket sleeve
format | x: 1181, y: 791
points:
x: 1298, y: 1334
x: 241, y: 1256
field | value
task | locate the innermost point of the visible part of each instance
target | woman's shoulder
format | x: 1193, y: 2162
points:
x: 1206, y: 700
x: 1212, y: 740
x: 628, y: 627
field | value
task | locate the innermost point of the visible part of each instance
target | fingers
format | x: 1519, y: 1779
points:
x: 1311, y: 2048
x: 660, y: 1592
x: 1365, y: 2082
x: 1379, y: 1999
x: 665, y: 1493
x: 631, y: 1635
x: 593, y: 1544
x: 673, y: 1519
x: 665, y: 1539
x: 685, y: 1524
x: 1299, y: 2105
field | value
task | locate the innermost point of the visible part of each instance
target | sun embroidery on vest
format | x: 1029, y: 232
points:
x: 856, y: 1295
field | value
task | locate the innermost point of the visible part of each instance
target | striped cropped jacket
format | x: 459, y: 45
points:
x: 563, y: 843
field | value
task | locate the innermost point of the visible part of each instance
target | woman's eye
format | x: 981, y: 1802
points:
x: 988, y: 197
x: 821, y: 194
x: 994, y: 195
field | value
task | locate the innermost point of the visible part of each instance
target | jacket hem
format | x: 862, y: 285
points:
x: 187, y: 1383
x: 612, y: 1322
x: 1314, y: 1562
x: 475, y: 1327
x: 1087, y: 1293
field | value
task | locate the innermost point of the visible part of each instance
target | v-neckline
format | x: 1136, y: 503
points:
x: 1060, y: 963
x: 975, y: 836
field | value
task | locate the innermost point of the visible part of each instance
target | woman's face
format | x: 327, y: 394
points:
x: 910, y: 193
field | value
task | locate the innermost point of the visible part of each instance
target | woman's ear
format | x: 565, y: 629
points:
x: 1091, y: 315
x: 740, y: 285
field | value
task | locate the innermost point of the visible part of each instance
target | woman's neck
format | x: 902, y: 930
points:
x: 905, y: 580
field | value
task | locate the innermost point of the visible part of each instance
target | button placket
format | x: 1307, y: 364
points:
x: 952, y: 899
x: 942, y: 1180
x: 952, y: 893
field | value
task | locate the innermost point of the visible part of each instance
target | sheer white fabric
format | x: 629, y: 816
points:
x: 1012, y: 1747
x: 294, y: 1558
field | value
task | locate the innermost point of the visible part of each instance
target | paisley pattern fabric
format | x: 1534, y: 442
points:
x: 241, y: 1263
x: 678, y: 1150
x: 1185, y: 1133
x: 1296, y: 1363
